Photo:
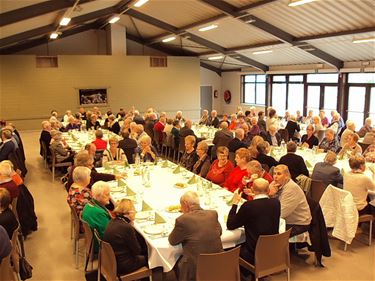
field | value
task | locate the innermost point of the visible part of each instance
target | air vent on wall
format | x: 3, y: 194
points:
x: 46, y: 61
x: 158, y: 62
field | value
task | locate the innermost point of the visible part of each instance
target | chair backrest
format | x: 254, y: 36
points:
x: 44, y: 149
x: 284, y: 134
x: 88, y: 237
x: 321, y: 135
x: 209, y: 266
x: 6, y: 271
x: 53, y: 156
x: 15, y: 250
x: 272, y: 253
x: 75, y: 221
x: 107, y: 259
x: 181, y: 145
x: 317, y: 189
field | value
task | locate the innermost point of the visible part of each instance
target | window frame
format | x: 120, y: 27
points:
x: 256, y: 82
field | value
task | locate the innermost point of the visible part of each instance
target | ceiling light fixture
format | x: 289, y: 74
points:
x: 215, y: 58
x: 294, y: 3
x: 250, y: 21
x: 114, y: 19
x: 169, y: 39
x: 65, y: 21
x: 364, y: 40
x: 262, y: 52
x: 54, y: 35
x: 140, y: 3
x: 209, y: 27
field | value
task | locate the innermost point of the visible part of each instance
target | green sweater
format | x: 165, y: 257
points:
x: 96, y: 216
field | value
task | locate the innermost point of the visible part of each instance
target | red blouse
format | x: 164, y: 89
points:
x: 100, y: 144
x: 218, y: 174
x: 234, y: 180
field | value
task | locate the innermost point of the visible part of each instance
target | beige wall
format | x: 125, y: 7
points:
x: 29, y: 93
x: 210, y: 78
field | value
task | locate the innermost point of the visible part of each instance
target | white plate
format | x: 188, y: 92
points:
x: 142, y: 215
x: 154, y: 229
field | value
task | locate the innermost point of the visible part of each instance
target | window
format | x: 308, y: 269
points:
x: 356, y: 104
x: 295, y: 98
x: 313, y: 99
x: 323, y: 78
x: 254, y: 89
x: 368, y: 78
x: 372, y: 104
x: 330, y: 98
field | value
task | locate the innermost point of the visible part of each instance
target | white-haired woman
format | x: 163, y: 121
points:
x: 202, y: 166
x: 6, y: 180
x: 146, y: 151
x: 62, y: 152
x: 129, y: 246
x: 114, y: 153
x: 79, y: 194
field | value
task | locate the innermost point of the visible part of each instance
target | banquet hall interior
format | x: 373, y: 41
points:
x: 150, y: 97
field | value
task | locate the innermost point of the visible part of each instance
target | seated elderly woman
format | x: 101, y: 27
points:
x: 309, y: 140
x: 95, y: 213
x: 317, y: 124
x: 79, y: 194
x: 358, y: 184
x: 61, y: 150
x: 221, y: 167
x: 99, y: 142
x: 72, y: 125
x: 114, y: 153
x: 146, y: 151
x: 6, y: 180
x: 7, y: 218
x: 366, y: 127
x: 92, y: 122
x: 129, y: 246
x: 190, y: 157
x: 326, y: 172
x: 255, y: 171
x: 84, y: 159
x: 329, y: 142
x: 203, y: 164
x: 113, y: 125
x: 204, y: 118
x: 351, y: 147
x: 234, y: 181
x: 262, y: 156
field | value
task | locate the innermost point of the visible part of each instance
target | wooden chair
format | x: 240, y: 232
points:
x: 271, y: 255
x: 89, y: 244
x: 15, y: 254
x: 6, y: 270
x: 107, y: 266
x: 56, y: 164
x: 44, y: 153
x: 76, y: 234
x: 208, y: 268
x: 363, y: 219
x: 317, y: 189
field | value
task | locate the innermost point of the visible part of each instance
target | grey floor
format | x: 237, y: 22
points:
x: 50, y: 250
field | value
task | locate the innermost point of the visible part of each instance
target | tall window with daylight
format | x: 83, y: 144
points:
x: 254, y: 89
x: 295, y: 94
x: 279, y: 94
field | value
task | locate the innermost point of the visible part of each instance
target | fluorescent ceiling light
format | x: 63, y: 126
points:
x: 250, y: 21
x: 209, y: 27
x: 114, y: 19
x: 169, y: 39
x: 54, y: 35
x: 140, y: 3
x: 364, y: 40
x: 65, y: 21
x: 262, y: 52
x: 215, y: 58
x: 294, y: 3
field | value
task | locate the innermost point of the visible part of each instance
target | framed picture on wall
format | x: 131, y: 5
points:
x: 89, y: 97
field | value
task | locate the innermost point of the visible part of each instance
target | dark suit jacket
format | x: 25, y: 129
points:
x: 185, y: 131
x: 195, y: 240
x: 213, y: 122
x: 6, y: 149
x: 292, y: 127
x: 267, y: 137
x: 128, y: 146
x: 8, y: 221
x: 222, y: 138
x: 5, y: 245
x: 268, y: 160
x: 45, y: 137
x: 296, y: 165
x: 235, y: 144
x: 327, y: 173
x: 311, y: 141
x: 115, y: 128
x: 260, y: 217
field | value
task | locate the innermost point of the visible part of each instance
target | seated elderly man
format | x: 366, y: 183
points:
x: 45, y: 136
x: 113, y: 124
x: 7, y: 146
x: 186, y: 130
x: 61, y: 150
x: 309, y: 140
x: 327, y: 172
x: 128, y: 145
x: 237, y: 142
x: 351, y: 147
x: 195, y: 240
x: 294, y: 207
x: 213, y: 120
x: 204, y: 118
x: 72, y: 124
x: 260, y: 216
x: 295, y: 163
x: 272, y: 136
x: 359, y: 184
x: 366, y: 127
x: 350, y: 128
x: 329, y: 142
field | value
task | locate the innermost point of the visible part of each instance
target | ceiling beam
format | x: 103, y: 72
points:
x: 36, y: 10
x: 274, y: 31
x: 51, y: 27
x: 194, y: 38
x: 211, y: 67
x: 336, y: 34
x: 44, y: 40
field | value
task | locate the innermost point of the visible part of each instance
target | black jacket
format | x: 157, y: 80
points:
x: 8, y: 221
x: 235, y: 144
x: 296, y: 165
x: 26, y: 211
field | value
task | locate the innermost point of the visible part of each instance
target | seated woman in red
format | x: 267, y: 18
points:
x: 221, y: 168
x: 234, y: 181
x: 256, y: 171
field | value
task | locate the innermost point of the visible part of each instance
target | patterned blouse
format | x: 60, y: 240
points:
x: 120, y: 156
x: 332, y: 145
x: 189, y: 159
x: 78, y: 199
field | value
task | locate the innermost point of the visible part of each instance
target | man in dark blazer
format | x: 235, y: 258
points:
x: 326, y: 172
x: 222, y: 138
x: 260, y: 216
x: 7, y: 146
x: 45, y: 136
x: 198, y: 231
x: 237, y: 142
x: 295, y: 163
x: 272, y: 136
x: 213, y: 120
x: 186, y: 130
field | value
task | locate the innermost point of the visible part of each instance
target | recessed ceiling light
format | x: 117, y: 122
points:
x: 250, y: 21
x: 364, y: 40
x: 140, y: 3
x: 54, y: 35
x: 114, y: 19
x: 262, y: 52
x: 65, y: 21
x: 215, y: 58
x: 294, y: 3
x: 169, y: 39
x: 209, y: 27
